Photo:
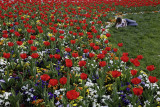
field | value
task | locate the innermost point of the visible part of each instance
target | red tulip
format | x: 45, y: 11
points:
x: 10, y: 44
x: 136, y: 81
x: 19, y: 43
x: 30, y: 41
x: 95, y: 47
x: 33, y: 37
x: 72, y: 94
x: 6, y: 55
x: 68, y: 49
x: 91, y: 55
x: 57, y: 56
x: 33, y: 48
x: 61, y: 31
x: 104, y: 52
x: 135, y: 62
x: 34, y: 55
x: 81, y: 34
x: 100, y: 56
x: 150, y: 68
x: 140, y: 57
x: 46, y: 43
x: 116, y: 74
x: 125, y: 58
x: 90, y: 36
x: 115, y: 49
x: 53, y: 39
x: 125, y: 54
x: 61, y: 37
x: 45, y: 77
x: 70, y: 32
x: 16, y: 23
x: 82, y: 63
x: 106, y: 41
x: 73, y: 41
x: 68, y: 62
x: 51, y: 56
x: 138, y: 91
x: 23, y: 55
x: 84, y: 27
x: 102, y: 63
x: 108, y: 48
x: 5, y: 31
x: 11, y: 31
x: 120, y: 44
x: 86, y: 50
x: 5, y: 35
x: 63, y: 80
x: 74, y: 55
x: 92, y: 44
x: 152, y: 79
x: 53, y: 82
x: 17, y: 34
x: 134, y: 72
x: 83, y: 76
x: 108, y: 35
x: 98, y: 36
x: 29, y: 30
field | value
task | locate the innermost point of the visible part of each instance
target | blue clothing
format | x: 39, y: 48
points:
x: 131, y: 22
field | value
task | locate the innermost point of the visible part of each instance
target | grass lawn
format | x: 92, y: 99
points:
x: 141, y: 40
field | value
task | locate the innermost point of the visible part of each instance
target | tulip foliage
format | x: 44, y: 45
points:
x: 57, y: 53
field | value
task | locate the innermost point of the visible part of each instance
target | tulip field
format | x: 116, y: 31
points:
x: 66, y: 53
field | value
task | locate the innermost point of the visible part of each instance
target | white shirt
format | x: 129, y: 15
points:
x: 122, y: 24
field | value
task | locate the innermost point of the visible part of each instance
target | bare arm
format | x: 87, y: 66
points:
x: 118, y: 25
x: 125, y: 23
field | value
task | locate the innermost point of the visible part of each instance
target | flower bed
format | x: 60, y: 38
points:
x: 59, y: 54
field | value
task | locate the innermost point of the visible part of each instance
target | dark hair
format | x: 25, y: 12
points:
x: 118, y: 20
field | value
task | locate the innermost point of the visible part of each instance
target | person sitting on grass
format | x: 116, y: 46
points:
x: 124, y: 22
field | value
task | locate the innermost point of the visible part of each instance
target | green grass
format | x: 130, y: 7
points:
x: 141, y: 40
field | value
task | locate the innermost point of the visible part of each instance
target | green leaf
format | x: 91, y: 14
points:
x: 3, y: 85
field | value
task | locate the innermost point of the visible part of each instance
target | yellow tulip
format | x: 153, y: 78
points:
x: 19, y: 30
x: 79, y: 98
x: 103, y: 37
x: 75, y: 104
x: 50, y: 34
x: 80, y: 80
x: 14, y: 55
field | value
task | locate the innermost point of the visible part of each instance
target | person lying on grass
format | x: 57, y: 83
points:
x: 124, y: 22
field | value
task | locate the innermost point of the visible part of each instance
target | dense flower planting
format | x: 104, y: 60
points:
x: 57, y: 53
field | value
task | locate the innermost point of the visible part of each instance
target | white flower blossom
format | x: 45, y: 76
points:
x: 7, y: 104
x: 1, y: 102
x: 6, y: 94
x: 158, y: 99
x: 158, y: 92
x: 28, y: 99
